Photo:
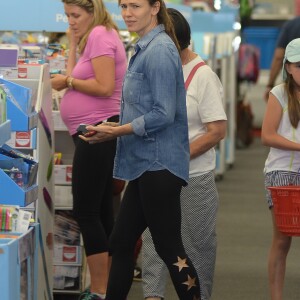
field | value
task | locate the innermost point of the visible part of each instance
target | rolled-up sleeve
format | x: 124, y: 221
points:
x: 138, y: 126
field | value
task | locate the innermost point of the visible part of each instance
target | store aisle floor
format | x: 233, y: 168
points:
x: 244, y: 235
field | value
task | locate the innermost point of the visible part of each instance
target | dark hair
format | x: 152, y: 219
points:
x: 181, y: 27
x: 164, y: 18
x: 293, y: 103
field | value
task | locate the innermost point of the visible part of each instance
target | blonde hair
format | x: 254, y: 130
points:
x: 100, y: 16
x: 293, y: 100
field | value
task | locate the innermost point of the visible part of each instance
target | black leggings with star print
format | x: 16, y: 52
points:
x: 152, y: 200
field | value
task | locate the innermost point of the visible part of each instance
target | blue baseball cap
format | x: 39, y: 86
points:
x: 292, y: 54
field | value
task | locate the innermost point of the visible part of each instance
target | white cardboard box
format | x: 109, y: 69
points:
x: 63, y: 196
x: 23, y: 139
x: 31, y: 51
x: 63, y: 174
x: 66, y: 277
x: 67, y: 255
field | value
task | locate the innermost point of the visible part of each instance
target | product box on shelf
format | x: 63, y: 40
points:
x: 69, y: 267
x: 18, y: 176
x: 66, y: 277
x: 9, y: 55
x: 14, y: 219
x: 57, y: 63
x: 67, y: 254
x: 23, y: 139
x: 18, y: 261
x: 63, y: 174
x: 66, y: 229
x: 63, y: 196
x: 20, y: 106
x: 29, y: 51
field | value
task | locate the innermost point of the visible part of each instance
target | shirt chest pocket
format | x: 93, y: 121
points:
x: 132, y: 87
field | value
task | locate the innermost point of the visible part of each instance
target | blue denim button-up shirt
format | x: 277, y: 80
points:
x: 154, y: 102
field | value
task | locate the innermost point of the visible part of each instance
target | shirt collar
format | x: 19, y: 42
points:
x: 145, y: 40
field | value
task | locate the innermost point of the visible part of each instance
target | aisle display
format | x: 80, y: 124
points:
x: 32, y: 118
x: 68, y: 254
x: 19, y: 267
x: 69, y: 266
x: 18, y: 242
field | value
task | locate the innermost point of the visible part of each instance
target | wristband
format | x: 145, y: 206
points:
x: 70, y: 82
x: 66, y: 80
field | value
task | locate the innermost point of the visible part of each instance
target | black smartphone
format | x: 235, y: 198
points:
x: 87, y: 133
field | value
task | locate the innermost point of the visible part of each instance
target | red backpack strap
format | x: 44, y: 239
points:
x: 191, y: 75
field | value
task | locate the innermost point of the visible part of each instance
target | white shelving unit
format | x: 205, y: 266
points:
x: 18, y: 260
x: 70, y: 270
x: 42, y: 149
x: 217, y: 49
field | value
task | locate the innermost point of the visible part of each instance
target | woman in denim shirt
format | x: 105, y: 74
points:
x: 152, y: 151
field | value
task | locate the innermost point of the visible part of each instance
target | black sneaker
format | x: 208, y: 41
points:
x: 137, y: 274
x: 90, y: 296
x: 84, y: 294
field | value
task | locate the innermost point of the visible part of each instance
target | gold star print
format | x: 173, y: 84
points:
x: 190, y: 282
x: 181, y: 263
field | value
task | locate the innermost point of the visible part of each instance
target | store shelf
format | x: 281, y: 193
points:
x: 24, y: 191
x: 5, y: 131
x: 12, y: 194
x: 75, y: 292
x: 18, y: 262
x: 35, y: 113
x: 20, y: 106
x: 19, y: 120
x: 272, y: 16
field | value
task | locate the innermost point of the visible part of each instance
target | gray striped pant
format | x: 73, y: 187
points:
x: 199, y: 203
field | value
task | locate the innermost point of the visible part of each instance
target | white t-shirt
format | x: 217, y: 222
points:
x: 284, y: 160
x: 204, y: 104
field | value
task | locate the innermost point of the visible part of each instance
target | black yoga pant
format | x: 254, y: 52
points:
x: 92, y: 193
x: 152, y: 200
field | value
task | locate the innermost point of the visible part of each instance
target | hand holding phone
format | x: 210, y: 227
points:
x: 86, y: 133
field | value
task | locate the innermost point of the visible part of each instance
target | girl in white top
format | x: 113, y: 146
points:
x: 281, y: 132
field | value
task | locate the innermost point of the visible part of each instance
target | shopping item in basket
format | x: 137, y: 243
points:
x: 286, y: 200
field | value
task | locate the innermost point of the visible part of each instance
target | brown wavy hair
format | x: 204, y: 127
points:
x: 164, y: 18
x: 293, y: 99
